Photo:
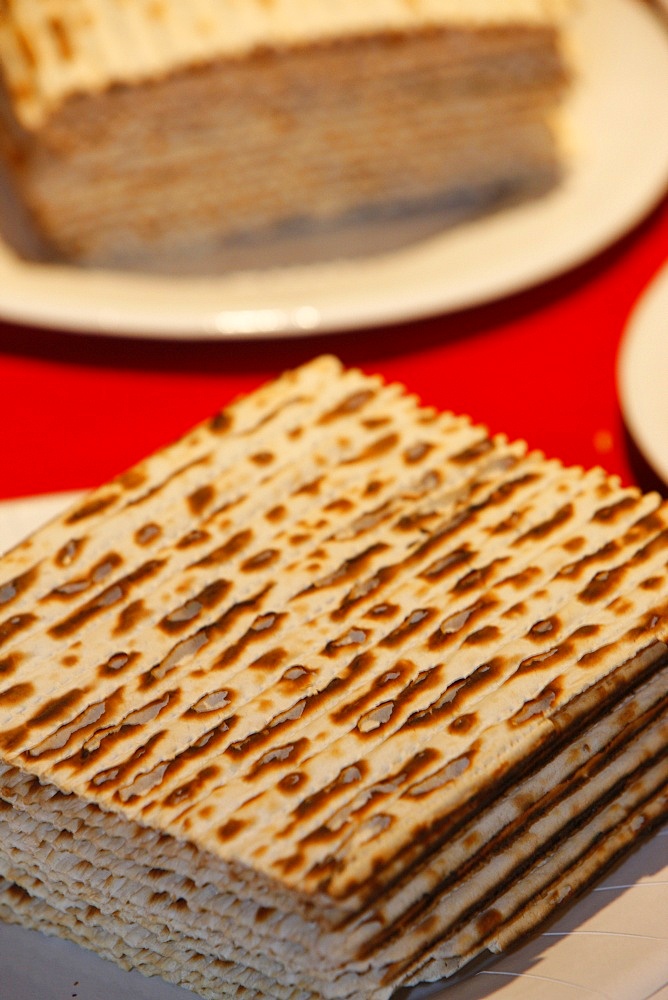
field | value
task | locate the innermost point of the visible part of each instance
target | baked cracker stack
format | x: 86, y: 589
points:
x: 334, y: 694
x: 170, y: 136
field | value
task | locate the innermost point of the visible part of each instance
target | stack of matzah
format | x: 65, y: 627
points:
x: 332, y: 695
x: 172, y: 135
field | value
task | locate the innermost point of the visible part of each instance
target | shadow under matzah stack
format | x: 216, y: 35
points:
x: 331, y: 696
x: 178, y: 136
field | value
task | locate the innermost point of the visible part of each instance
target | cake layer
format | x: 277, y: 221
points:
x: 168, y: 142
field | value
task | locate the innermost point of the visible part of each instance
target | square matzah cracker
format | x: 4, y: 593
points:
x: 332, y: 695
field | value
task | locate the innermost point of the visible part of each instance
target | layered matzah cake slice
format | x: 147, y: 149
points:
x: 180, y: 136
x: 333, y: 676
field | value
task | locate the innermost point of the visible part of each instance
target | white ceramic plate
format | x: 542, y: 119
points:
x: 642, y: 374
x: 618, y: 113
x: 612, y: 944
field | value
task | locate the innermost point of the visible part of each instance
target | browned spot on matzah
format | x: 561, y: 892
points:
x: 189, y: 790
x: 614, y: 511
x: 221, y: 423
x: 147, y: 533
x: 16, y: 694
x: 107, y: 598
x: 128, y: 619
x: 69, y: 552
x: 116, y: 663
x: 94, y: 506
x: 18, y: 585
x: 9, y: 664
x: 14, y: 625
x: 71, y: 588
x: 201, y: 498
x: 378, y: 448
x: 351, y: 404
x: 132, y: 479
x: 540, y: 531
x: 226, y: 551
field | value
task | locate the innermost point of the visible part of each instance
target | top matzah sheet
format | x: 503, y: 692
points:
x: 320, y: 634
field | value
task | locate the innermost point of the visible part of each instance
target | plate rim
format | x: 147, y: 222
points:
x: 645, y: 331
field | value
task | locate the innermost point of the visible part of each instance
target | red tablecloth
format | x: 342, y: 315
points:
x: 76, y: 410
